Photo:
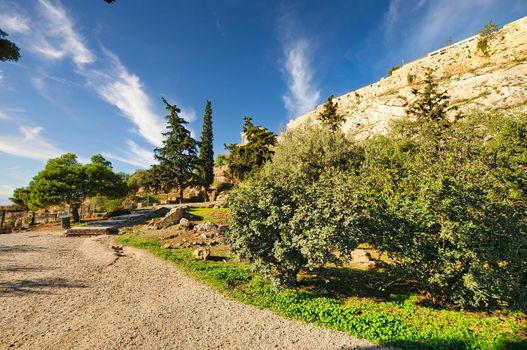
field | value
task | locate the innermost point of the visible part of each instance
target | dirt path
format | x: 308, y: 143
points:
x: 75, y: 293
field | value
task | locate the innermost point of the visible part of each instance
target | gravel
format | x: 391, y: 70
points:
x: 80, y: 293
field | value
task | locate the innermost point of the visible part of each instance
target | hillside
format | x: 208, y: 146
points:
x: 497, y: 80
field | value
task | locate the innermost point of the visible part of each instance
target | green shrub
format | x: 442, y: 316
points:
x: 410, y: 78
x: 457, y: 207
x: 485, y: 35
x: 393, y: 69
x: 302, y: 209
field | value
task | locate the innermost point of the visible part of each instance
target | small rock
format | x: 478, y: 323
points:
x: 167, y: 246
x: 184, y: 222
x: 201, y: 253
x: 208, y: 226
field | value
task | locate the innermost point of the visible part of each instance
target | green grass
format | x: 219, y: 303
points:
x: 398, y: 321
x: 215, y: 215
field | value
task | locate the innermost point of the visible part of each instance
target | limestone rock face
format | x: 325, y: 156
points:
x: 471, y: 79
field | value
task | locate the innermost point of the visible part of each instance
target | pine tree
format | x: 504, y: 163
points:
x: 431, y: 104
x: 177, y: 158
x: 206, y: 152
x: 329, y: 115
x: 245, y: 159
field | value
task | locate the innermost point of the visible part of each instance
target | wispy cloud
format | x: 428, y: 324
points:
x: 29, y: 143
x: 125, y: 91
x: 14, y: 24
x: 60, y: 38
x: 302, y: 96
x: 135, y: 156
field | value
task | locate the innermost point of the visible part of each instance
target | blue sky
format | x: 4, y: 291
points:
x: 91, y: 75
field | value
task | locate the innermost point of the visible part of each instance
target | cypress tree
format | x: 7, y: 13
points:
x: 206, y: 152
x: 177, y: 158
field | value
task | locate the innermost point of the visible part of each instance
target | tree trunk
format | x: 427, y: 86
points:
x: 205, y: 195
x: 180, y: 195
x: 75, y: 212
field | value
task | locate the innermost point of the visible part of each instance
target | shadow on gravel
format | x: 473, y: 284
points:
x: 18, y: 268
x: 20, y: 248
x: 37, y: 286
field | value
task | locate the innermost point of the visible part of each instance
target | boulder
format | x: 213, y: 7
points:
x: 206, y: 227
x: 201, y: 253
x: 184, y: 222
x: 173, y: 217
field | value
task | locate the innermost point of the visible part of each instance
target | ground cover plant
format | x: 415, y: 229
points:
x: 387, y: 317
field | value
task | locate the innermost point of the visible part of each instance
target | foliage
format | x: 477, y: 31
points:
x: 297, y: 212
x: 399, y: 321
x: 430, y: 104
x: 20, y: 196
x: 456, y: 207
x: 410, y: 78
x: 329, y: 115
x: 65, y: 181
x: 177, y: 158
x: 247, y: 158
x: 206, y: 152
x: 215, y: 215
x: 137, y: 181
x: 8, y: 50
x: 485, y: 35
x: 393, y: 69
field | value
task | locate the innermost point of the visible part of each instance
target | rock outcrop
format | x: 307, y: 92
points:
x: 473, y: 80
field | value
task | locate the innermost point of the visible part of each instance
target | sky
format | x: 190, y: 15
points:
x: 92, y: 74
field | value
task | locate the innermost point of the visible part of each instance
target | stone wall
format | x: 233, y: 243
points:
x: 472, y: 80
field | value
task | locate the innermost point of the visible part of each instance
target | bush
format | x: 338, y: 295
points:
x: 486, y: 34
x: 457, y: 208
x: 297, y: 212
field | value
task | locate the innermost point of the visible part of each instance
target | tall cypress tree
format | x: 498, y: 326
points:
x: 206, y: 153
x: 178, y: 156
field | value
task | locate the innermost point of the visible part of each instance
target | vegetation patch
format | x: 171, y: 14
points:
x: 215, y: 215
x: 396, y: 319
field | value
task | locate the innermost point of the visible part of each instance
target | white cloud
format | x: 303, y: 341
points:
x: 29, y: 143
x: 301, y: 96
x: 124, y: 90
x: 14, y: 24
x: 135, y: 156
x: 57, y: 38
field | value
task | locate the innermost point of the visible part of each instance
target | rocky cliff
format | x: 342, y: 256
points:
x: 495, y: 80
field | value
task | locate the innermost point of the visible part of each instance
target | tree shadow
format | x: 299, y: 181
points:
x: 18, y: 268
x: 341, y: 282
x: 37, y: 286
x: 20, y: 248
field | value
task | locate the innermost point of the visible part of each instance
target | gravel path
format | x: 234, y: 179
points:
x: 76, y: 293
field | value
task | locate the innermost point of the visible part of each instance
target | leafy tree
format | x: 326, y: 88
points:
x: 65, y: 181
x: 20, y: 196
x: 178, y: 156
x: 8, y: 50
x: 137, y: 181
x: 329, y: 115
x: 206, y: 152
x: 246, y: 158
